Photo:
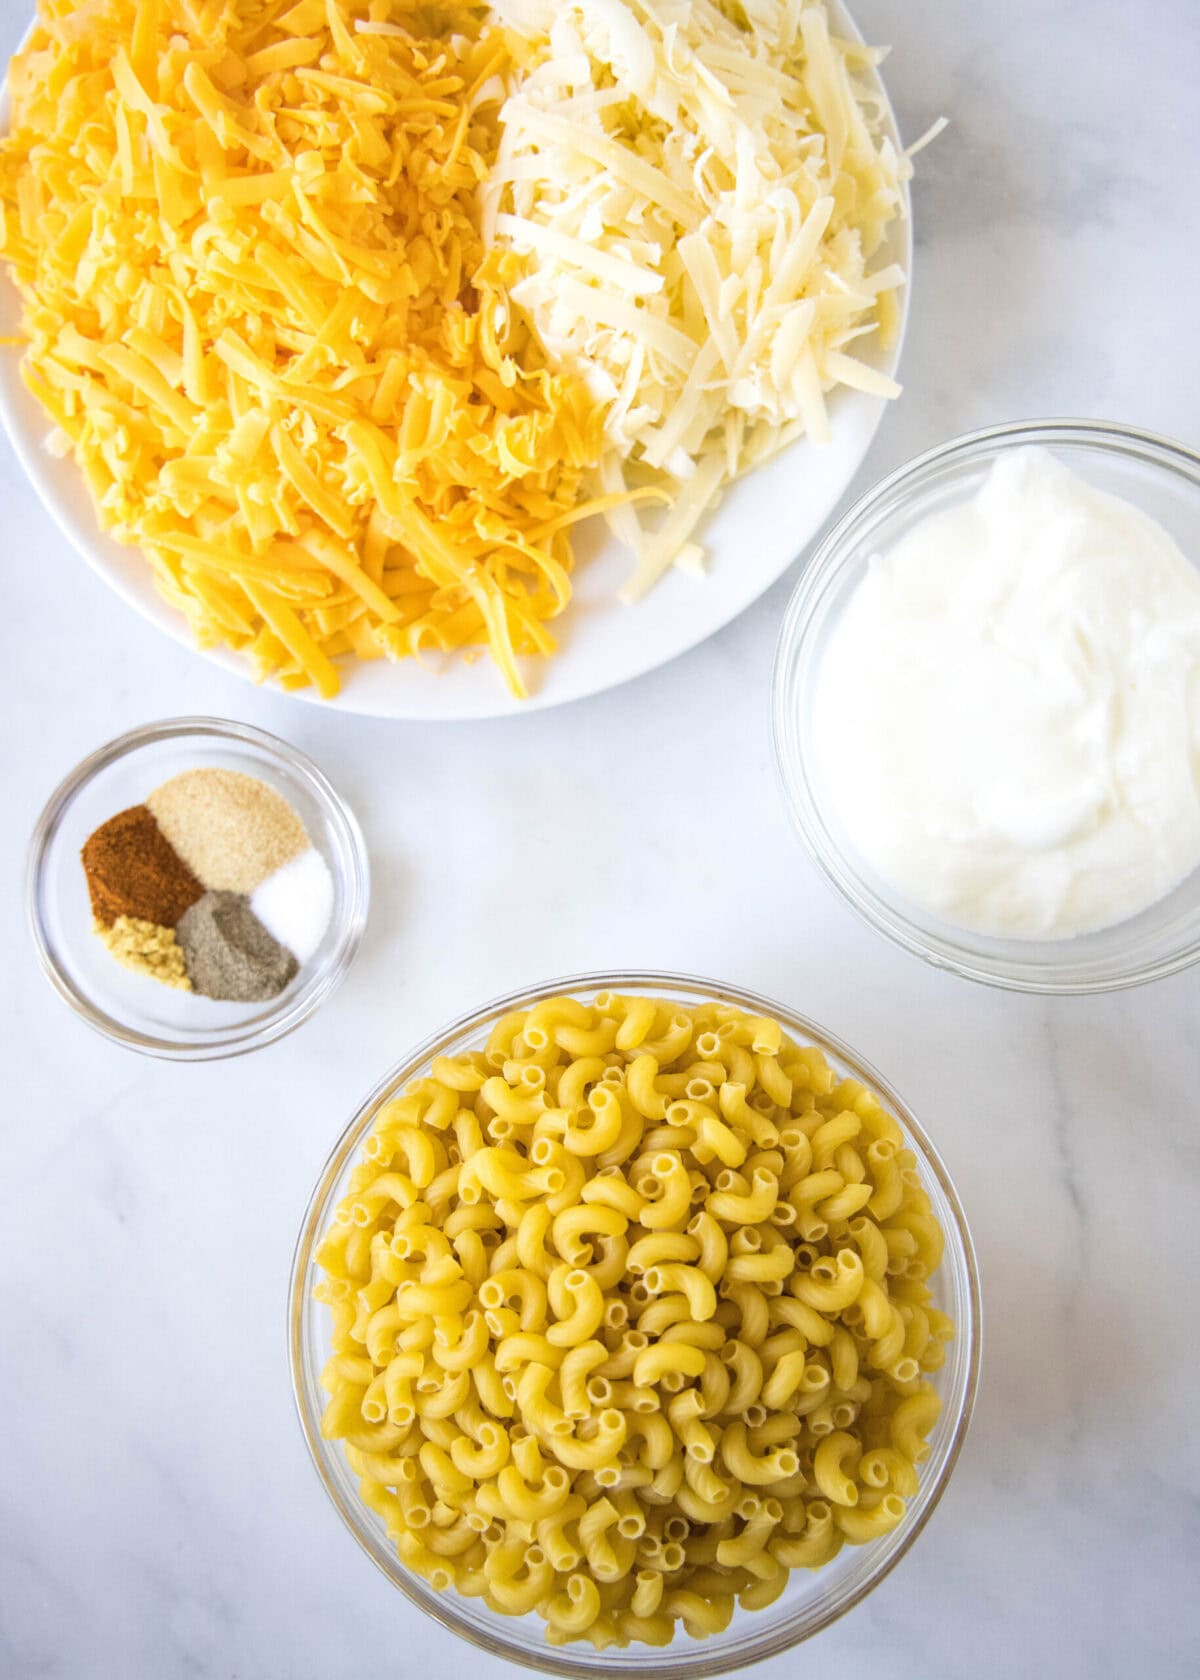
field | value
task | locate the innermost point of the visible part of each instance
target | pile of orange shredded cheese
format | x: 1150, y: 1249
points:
x: 258, y: 309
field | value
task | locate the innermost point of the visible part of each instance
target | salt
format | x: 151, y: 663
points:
x: 295, y: 903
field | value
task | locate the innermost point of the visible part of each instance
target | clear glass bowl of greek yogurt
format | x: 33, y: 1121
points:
x: 1157, y: 477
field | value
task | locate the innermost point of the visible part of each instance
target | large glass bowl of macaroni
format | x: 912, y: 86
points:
x: 621, y: 1293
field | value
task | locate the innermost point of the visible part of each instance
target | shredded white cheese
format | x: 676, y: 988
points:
x: 696, y: 192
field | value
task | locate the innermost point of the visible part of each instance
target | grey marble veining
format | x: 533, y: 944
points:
x: 158, y: 1516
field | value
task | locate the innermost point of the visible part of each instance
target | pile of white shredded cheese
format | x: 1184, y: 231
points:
x: 698, y: 193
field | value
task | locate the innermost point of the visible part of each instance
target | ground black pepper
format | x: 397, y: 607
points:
x: 229, y: 953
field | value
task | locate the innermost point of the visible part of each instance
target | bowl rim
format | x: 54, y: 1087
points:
x: 887, y: 916
x: 702, y: 1659
x: 238, y: 1039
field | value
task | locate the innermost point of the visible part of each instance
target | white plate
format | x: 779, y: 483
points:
x: 764, y: 522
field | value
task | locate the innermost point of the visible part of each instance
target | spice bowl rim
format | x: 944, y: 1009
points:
x: 295, y: 1004
x: 754, y: 1636
x: 1084, y: 965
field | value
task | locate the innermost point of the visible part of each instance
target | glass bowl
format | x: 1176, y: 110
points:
x: 813, y: 1599
x: 131, y: 1009
x: 1156, y: 475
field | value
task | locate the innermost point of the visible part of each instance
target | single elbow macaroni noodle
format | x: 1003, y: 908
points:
x: 630, y: 1318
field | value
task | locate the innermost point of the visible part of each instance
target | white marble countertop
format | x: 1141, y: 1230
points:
x: 158, y: 1514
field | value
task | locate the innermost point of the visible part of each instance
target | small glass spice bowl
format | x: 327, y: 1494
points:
x: 131, y: 1009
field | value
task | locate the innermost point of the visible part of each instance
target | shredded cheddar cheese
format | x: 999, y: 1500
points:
x: 258, y: 308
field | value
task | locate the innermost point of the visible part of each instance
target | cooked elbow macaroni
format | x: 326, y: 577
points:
x: 630, y: 1318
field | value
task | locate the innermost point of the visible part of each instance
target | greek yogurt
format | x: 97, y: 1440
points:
x: 1007, y: 713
